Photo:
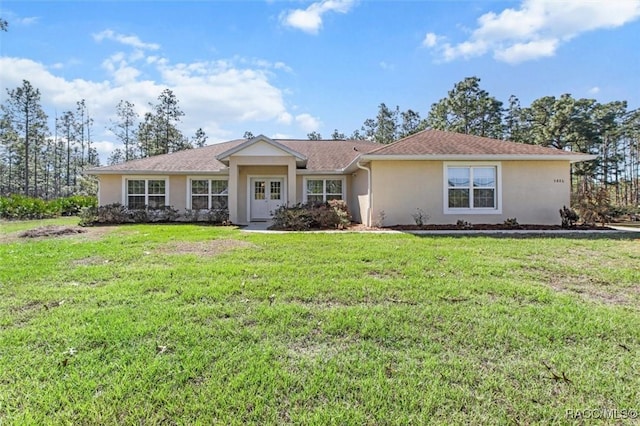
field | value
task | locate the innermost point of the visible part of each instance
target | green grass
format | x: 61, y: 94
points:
x: 189, y: 324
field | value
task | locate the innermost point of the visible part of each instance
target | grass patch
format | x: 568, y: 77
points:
x: 190, y: 323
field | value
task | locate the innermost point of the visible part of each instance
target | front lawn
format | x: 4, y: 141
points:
x: 164, y: 324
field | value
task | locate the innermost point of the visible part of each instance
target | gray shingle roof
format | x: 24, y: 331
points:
x: 324, y: 155
x: 441, y: 143
x: 331, y: 155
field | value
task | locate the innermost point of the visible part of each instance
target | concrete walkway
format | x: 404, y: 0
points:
x: 258, y: 227
x: 262, y: 227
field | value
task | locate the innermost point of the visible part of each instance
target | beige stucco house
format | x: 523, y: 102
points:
x: 448, y: 176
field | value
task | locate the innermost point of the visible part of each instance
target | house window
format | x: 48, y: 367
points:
x: 146, y: 193
x: 472, y: 189
x: 320, y: 190
x: 209, y: 194
x: 276, y: 189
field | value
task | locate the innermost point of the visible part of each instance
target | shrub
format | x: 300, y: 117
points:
x: 511, y: 222
x: 420, y: 217
x: 71, y: 206
x: 342, y: 213
x: 378, y: 222
x: 191, y: 215
x: 303, y: 217
x: 295, y: 218
x: 167, y: 214
x: 109, y: 214
x: 568, y: 217
x: 463, y: 224
x: 20, y: 207
x: 217, y: 215
x: 594, y: 206
x: 116, y: 213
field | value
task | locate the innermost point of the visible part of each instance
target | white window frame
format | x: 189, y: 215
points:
x: 189, y: 201
x: 324, y: 180
x: 146, y: 179
x: 474, y: 210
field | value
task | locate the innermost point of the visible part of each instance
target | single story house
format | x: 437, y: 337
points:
x: 448, y: 176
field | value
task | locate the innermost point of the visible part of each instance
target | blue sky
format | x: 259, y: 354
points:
x: 286, y: 68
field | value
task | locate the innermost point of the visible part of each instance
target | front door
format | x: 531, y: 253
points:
x: 267, y: 194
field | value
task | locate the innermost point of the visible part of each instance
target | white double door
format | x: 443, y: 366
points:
x: 266, y: 195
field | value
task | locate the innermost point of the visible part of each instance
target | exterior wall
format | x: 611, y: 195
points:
x: 535, y: 191
x: 109, y: 189
x: 358, y: 195
x: 401, y: 187
x: 532, y: 192
x: 299, y: 190
x: 178, y: 192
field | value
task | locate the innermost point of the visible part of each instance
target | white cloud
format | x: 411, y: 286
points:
x: 594, y: 90
x: 27, y: 21
x: 282, y: 66
x: 104, y: 148
x: 521, y: 52
x: 130, y: 40
x: 430, y: 40
x: 24, y: 21
x: 280, y: 136
x: 217, y: 96
x: 285, y: 118
x: 387, y: 66
x: 220, y: 96
x: 309, y: 20
x: 307, y: 122
x: 535, y: 29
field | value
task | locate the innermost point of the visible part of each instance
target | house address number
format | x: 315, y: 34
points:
x: 558, y: 181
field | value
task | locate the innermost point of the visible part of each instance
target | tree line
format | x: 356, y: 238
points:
x: 39, y: 162
x: 48, y: 163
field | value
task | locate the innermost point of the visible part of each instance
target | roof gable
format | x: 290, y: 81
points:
x: 261, y: 146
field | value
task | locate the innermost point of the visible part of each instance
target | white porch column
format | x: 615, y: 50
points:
x: 292, y: 196
x: 233, y: 191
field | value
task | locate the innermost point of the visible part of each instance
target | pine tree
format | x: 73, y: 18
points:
x: 23, y: 114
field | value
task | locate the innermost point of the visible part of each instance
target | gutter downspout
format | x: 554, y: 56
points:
x: 369, y: 192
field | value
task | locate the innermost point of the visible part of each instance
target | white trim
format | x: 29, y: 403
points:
x: 224, y: 156
x: 146, y: 178
x: 190, y: 178
x: 223, y: 172
x: 315, y: 173
x: 250, y: 178
x: 471, y: 164
x: 560, y: 156
x: 324, y: 179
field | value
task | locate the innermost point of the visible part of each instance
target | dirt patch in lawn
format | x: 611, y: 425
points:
x: 597, y: 291
x: 52, y: 231
x: 206, y: 248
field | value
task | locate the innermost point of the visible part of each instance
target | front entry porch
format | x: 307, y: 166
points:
x: 266, y: 194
